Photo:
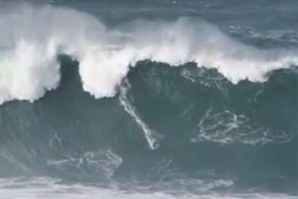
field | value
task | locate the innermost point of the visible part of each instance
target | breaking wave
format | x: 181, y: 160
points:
x: 31, y: 38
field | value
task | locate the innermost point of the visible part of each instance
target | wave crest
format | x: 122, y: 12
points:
x: 32, y: 37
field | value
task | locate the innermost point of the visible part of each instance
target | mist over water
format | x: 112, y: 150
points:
x: 162, y: 100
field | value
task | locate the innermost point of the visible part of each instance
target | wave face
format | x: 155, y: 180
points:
x: 147, y: 100
x: 32, y: 37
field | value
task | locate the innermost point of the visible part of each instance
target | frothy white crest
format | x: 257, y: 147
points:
x: 31, y: 38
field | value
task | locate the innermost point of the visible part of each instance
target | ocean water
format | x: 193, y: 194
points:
x: 140, y: 99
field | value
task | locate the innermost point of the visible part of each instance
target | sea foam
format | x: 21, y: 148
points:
x: 31, y: 38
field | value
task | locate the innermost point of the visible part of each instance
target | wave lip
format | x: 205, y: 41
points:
x: 33, y: 37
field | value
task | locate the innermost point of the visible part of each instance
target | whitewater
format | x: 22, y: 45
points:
x: 33, y: 37
x: 49, y: 188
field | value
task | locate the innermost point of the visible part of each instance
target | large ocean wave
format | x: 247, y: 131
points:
x: 187, y: 109
x: 32, y: 38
